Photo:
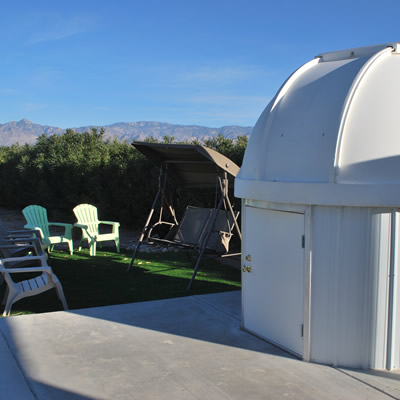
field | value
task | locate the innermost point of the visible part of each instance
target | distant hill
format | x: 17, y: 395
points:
x: 25, y: 131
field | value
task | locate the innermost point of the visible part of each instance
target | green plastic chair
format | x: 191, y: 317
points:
x: 88, y: 221
x: 36, y: 218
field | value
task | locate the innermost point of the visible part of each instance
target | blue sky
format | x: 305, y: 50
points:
x: 212, y: 63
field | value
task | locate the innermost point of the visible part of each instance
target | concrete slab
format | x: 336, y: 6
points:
x: 185, y: 348
x: 13, y: 384
x: 385, y: 381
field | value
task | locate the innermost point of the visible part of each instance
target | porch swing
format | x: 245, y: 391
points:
x: 190, y: 166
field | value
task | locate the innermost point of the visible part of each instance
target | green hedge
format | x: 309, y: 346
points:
x: 60, y: 172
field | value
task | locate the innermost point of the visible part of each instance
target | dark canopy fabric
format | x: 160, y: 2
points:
x: 191, y: 164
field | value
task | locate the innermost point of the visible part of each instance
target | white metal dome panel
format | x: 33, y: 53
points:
x: 370, y: 145
x: 305, y: 122
x: 295, y: 138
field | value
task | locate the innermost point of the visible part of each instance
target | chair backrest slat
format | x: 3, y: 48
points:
x: 86, y: 214
x: 37, y: 216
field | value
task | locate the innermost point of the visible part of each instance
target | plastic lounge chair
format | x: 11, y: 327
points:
x: 18, y: 243
x: 46, y: 280
x: 20, y: 233
x: 11, y: 247
x: 21, y: 247
x: 88, y: 221
x: 36, y: 218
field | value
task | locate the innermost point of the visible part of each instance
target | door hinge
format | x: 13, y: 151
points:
x: 303, y: 242
x: 302, y: 330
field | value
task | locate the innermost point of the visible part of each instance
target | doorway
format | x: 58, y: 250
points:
x: 273, y: 276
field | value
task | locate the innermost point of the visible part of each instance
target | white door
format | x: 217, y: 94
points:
x: 273, y: 286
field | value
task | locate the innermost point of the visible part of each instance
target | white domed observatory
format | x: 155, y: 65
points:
x: 320, y: 189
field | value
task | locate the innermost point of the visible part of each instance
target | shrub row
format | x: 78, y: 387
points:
x: 62, y: 171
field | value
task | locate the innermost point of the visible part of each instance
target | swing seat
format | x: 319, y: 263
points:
x: 195, y: 224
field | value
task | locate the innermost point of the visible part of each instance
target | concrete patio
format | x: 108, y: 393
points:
x: 185, y: 348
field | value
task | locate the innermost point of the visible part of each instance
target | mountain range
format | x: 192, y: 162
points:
x: 25, y: 131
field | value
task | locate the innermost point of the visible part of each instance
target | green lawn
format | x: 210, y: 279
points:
x: 103, y: 280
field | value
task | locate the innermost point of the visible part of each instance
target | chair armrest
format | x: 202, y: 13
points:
x: 115, y: 225
x: 29, y: 239
x: 16, y: 246
x: 67, y: 227
x: 13, y: 240
x: 34, y: 228
x: 26, y: 258
x: 22, y: 233
x: 44, y: 268
x: 34, y: 241
x: 82, y: 226
x: 25, y: 242
x: 109, y: 223
x: 60, y: 224
x: 12, y: 231
x: 35, y: 246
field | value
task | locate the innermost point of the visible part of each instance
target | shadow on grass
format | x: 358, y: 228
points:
x: 103, y: 280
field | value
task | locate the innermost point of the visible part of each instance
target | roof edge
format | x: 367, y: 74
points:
x: 357, y: 52
x: 327, y: 194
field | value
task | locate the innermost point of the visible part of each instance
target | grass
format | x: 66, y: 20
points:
x: 103, y: 280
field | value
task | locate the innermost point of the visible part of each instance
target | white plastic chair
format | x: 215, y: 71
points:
x: 88, y: 221
x: 15, y: 291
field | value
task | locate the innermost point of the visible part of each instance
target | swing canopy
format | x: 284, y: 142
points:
x: 191, y: 165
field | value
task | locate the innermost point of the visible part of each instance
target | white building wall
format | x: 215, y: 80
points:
x: 380, y: 259
x: 393, y: 361
x: 350, y: 266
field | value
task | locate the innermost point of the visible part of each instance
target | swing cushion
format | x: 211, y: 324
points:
x: 195, y: 224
